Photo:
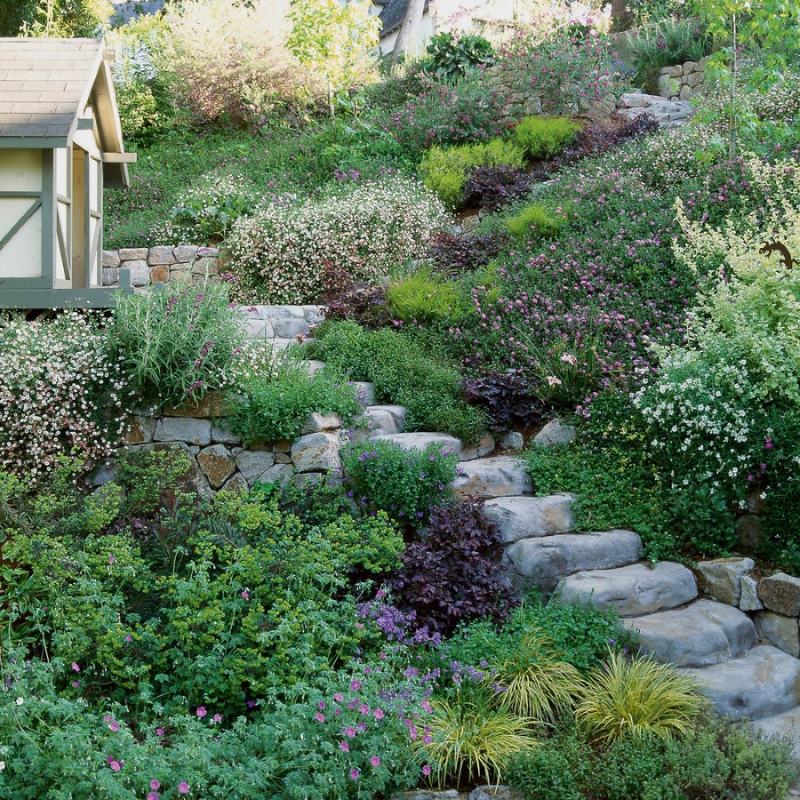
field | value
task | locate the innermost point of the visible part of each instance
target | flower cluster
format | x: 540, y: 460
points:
x: 282, y: 253
x: 59, y: 394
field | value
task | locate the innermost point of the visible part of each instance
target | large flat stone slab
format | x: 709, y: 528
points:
x: 632, y: 591
x: 764, y: 682
x: 498, y: 476
x: 702, y: 634
x: 540, y: 562
x: 421, y: 441
x: 522, y: 517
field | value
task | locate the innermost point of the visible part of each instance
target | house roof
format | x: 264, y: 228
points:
x: 392, y: 14
x: 45, y: 85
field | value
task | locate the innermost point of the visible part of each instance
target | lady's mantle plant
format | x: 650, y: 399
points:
x: 59, y: 394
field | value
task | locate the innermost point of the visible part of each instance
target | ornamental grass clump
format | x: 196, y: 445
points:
x: 545, y: 137
x: 468, y: 740
x: 637, y: 697
x: 178, y: 343
x: 283, y: 252
x: 60, y: 394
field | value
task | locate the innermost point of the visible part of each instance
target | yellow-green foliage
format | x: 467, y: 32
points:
x: 536, y: 682
x: 445, y: 170
x: 470, y: 741
x: 426, y: 297
x: 637, y: 697
x: 538, y: 219
x: 545, y: 137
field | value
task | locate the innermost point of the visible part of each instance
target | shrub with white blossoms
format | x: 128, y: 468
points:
x: 286, y: 251
x: 59, y: 394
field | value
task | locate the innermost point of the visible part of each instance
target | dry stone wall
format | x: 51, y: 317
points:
x: 683, y: 81
x: 154, y: 265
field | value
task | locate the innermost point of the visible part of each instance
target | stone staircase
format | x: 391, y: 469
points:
x: 714, y: 643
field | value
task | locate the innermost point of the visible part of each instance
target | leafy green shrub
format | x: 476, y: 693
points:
x: 538, y: 219
x: 545, y: 137
x: 469, y: 740
x: 178, y: 343
x: 637, y: 697
x: 580, y: 635
x: 288, y: 248
x: 425, y: 297
x: 403, y: 373
x: 269, y: 408
x: 450, y: 57
x: 205, y: 214
x: 545, y: 773
x: 446, y: 170
x: 60, y: 388
x: 405, y: 483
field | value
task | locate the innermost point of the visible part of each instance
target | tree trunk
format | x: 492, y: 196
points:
x: 620, y: 16
x: 409, y: 30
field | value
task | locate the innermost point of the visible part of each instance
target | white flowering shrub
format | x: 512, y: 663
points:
x: 718, y: 405
x: 59, y: 394
x: 286, y: 251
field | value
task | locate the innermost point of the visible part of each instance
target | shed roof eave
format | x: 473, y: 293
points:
x: 33, y: 142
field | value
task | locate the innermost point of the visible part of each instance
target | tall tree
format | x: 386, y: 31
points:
x: 408, y: 36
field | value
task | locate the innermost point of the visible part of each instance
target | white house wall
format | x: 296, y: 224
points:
x: 20, y: 171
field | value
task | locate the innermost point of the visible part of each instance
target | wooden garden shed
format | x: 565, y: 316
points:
x: 60, y: 145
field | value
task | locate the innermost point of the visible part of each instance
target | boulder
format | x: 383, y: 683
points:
x: 185, y: 253
x: 721, y: 578
x: 290, y: 327
x: 421, y: 441
x: 365, y: 392
x: 211, y: 404
x: 781, y: 593
x: 380, y: 422
x: 183, y: 429
x: 316, y: 452
x: 322, y: 422
x: 554, y: 433
x: 522, y: 517
x: 133, y: 254
x: 512, y: 440
x: 498, y: 476
x: 703, y: 633
x: 779, y: 631
x: 254, y: 463
x: 495, y: 792
x: 140, y: 430
x: 485, y: 446
x: 782, y: 727
x: 259, y: 329
x: 748, y: 600
x: 761, y: 683
x: 110, y: 258
x: 631, y: 591
x: 280, y: 474
x: 217, y: 464
x: 540, y: 563
x: 140, y: 272
x: 160, y: 256
x: 220, y: 432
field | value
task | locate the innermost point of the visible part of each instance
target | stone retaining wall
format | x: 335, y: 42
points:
x: 218, y: 457
x: 773, y: 602
x: 153, y: 265
x: 683, y: 81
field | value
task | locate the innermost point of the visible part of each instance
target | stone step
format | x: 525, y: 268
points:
x: 497, y: 476
x: 539, y: 563
x: 702, y: 634
x: 522, y: 517
x: 420, y: 441
x: 761, y: 683
x: 631, y: 591
x: 785, y: 725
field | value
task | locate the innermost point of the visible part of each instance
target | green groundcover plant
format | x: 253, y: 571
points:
x: 276, y: 406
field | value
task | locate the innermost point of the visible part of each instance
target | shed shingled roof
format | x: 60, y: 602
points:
x: 392, y: 14
x: 44, y: 84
